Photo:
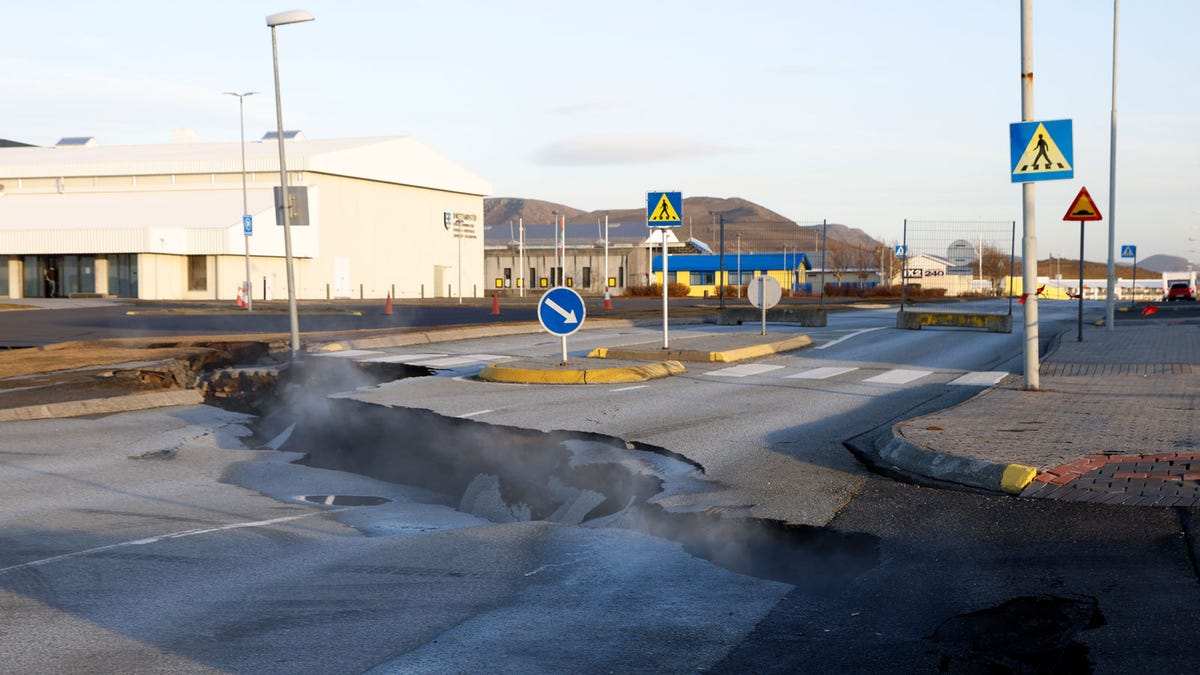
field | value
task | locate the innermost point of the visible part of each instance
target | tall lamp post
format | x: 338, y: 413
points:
x: 282, y: 19
x: 245, y: 206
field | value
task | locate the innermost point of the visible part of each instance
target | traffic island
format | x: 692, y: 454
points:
x: 532, y: 371
x: 725, y: 348
x: 993, y: 323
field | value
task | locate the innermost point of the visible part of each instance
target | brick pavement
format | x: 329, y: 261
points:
x: 1115, y: 421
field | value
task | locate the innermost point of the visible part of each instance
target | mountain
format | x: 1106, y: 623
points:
x: 755, y: 227
x: 1164, y: 263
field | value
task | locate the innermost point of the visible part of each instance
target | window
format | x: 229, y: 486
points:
x: 197, y: 273
x: 702, y: 278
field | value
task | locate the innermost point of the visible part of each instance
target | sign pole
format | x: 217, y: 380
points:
x: 1028, y: 212
x: 762, y: 300
x: 564, y: 350
x: 1079, y: 337
x: 1133, y: 289
x: 666, y: 341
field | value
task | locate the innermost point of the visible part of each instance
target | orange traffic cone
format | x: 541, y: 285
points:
x: 495, y: 305
x: 387, y: 309
x: 241, y: 298
x: 607, y: 300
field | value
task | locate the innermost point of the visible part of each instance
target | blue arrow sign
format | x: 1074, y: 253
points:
x: 561, y: 311
x: 248, y: 225
x: 1128, y: 251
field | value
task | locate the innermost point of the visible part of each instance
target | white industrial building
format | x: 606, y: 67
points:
x: 370, y: 216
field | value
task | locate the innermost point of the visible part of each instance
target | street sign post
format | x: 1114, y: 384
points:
x: 764, y: 293
x: 561, y: 311
x: 663, y: 210
x: 1041, y: 150
x: 1082, y: 209
x: 1130, y: 251
x: 248, y: 225
x: 901, y: 251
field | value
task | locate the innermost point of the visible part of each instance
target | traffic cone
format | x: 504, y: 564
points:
x: 241, y: 298
x: 495, y: 305
x: 607, y: 300
x: 387, y: 309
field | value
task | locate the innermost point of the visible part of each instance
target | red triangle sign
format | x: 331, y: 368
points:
x: 1083, y: 208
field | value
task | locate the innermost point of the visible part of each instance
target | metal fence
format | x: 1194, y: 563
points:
x: 958, y: 260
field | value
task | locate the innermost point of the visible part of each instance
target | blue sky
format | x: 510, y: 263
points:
x: 864, y: 113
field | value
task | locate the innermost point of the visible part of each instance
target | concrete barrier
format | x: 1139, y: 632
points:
x: 994, y: 323
x: 805, y: 316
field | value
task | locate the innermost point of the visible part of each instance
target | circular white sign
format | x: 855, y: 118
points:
x: 764, y: 292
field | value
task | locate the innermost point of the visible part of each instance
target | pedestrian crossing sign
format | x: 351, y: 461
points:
x: 663, y: 209
x: 1128, y: 251
x: 1041, y: 150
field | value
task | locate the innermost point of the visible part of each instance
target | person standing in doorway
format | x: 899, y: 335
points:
x: 51, y: 282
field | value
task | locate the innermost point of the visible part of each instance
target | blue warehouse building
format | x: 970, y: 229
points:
x: 701, y: 272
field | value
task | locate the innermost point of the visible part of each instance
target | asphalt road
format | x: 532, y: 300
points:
x: 156, y: 541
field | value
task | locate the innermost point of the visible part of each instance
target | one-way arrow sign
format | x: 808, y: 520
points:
x: 561, y: 311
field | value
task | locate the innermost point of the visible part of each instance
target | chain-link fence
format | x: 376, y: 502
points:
x: 964, y: 260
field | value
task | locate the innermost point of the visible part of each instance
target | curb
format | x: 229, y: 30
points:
x: 516, y: 375
x: 726, y: 356
x: 905, y: 457
x: 100, y: 406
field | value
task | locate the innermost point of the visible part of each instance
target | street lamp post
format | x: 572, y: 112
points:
x: 245, y: 206
x: 274, y: 20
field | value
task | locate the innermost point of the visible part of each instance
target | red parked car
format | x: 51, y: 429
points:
x: 1179, y: 291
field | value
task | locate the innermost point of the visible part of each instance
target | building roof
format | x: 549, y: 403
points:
x: 401, y: 160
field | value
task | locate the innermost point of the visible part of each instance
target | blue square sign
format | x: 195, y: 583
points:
x: 248, y: 225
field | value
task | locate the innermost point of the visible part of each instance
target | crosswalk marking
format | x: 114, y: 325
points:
x: 820, y: 373
x: 898, y: 376
x: 403, y: 358
x: 350, y: 353
x: 743, y: 370
x: 985, y: 378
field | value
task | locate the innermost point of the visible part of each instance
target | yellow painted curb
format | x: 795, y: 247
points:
x: 743, y: 353
x: 511, y: 375
x: 1016, y: 477
x: 331, y: 347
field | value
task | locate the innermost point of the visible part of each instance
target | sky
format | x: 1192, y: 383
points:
x: 865, y: 113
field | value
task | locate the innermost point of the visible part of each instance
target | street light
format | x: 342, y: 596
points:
x: 282, y: 19
x: 245, y: 207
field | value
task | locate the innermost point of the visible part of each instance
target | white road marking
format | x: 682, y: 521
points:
x: 847, y: 337
x: 350, y: 353
x: 636, y: 386
x: 743, y: 370
x: 403, y: 358
x: 821, y: 373
x: 898, y: 376
x: 985, y: 378
x: 476, y: 413
x: 173, y: 535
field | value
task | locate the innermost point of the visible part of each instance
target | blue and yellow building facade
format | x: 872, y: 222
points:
x: 703, y: 274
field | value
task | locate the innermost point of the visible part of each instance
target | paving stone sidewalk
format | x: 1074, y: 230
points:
x: 1115, y: 420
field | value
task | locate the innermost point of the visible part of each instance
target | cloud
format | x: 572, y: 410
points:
x: 622, y: 149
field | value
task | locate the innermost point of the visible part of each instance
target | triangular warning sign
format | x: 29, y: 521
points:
x: 664, y: 211
x: 1083, y: 208
x: 1041, y: 155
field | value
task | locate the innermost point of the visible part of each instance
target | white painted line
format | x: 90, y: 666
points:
x: 173, y: 535
x: 636, y: 386
x: 477, y: 412
x: 898, y: 376
x: 449, y: 362
x: 350, y: 353
x: 743, y: 370
x: 403, y: 358
x: 984, y: 378
x: 847, y: 337
x: 487, y: 358
x: 821, y: 373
